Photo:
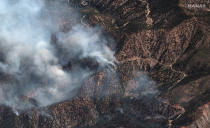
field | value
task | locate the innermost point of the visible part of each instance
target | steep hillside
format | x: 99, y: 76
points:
x: 162, y: 44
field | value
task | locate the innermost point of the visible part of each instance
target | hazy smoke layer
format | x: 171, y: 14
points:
x: 141, y: 86
x: 33, y: 65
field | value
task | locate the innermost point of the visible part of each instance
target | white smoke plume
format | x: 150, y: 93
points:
x: 32, y: 65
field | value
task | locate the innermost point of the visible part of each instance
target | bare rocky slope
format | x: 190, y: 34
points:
x: 169, y: 40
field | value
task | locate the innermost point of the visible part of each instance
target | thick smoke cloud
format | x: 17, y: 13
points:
x: 33, y: 64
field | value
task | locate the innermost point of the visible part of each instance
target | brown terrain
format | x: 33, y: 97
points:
x: 169, y: 40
